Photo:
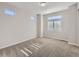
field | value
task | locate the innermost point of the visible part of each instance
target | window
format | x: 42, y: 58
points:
x: 9, y: 12
x: 54, y: 23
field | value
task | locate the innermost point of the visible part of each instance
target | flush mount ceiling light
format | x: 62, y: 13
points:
x: 42, y: 4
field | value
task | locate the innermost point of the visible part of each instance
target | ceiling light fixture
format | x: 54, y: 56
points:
x: 42, y: 4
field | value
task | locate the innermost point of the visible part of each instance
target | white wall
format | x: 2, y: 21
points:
x: 68, y: 32
x: 16, y: 29
x: 77, y: 25
x: 39, y: 25
x: 72, y: 17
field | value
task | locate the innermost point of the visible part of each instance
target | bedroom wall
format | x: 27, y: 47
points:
x: 16, y: 29
x: 69, y: 17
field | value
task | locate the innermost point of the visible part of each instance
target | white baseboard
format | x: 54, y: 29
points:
x: 55, y: 38
x: 17, y: 42
x: 73, y: 44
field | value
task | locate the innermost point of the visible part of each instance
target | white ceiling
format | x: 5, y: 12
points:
x: 36, y: 8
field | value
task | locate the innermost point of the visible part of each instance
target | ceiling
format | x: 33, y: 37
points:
x: 35, y: 7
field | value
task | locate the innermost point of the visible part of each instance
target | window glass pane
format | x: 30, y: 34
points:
x: 57, y: 25
x: 50, y: 26
x: 9, y: 12
x: 54, y: 18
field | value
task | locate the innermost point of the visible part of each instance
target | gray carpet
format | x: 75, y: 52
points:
x: 41, y: 47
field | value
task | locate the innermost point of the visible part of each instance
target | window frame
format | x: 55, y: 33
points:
x: 53, y: 19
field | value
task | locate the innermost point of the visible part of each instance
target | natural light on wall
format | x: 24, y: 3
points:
x: 9, y: 12
x: 54, y: 23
